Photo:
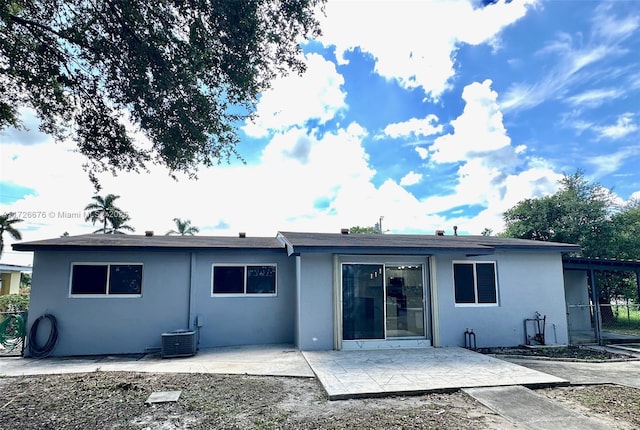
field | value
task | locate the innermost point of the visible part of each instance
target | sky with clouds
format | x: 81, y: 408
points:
x: 429, y: 114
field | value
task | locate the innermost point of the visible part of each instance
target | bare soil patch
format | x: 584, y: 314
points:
x: 571, y: 352
x: 614, y: 404
x: 116, y: 400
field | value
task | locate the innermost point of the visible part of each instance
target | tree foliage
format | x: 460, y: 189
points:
x: 184, y: 228
x: 118, y: 224
x: 7, y: 220
x: 626, y: 227
x: 104, y: 210
x: 579, y: 212
x: 584, y: 214
x: 185, y: 72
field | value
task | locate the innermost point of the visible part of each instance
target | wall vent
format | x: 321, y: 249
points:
x: 178, y: 343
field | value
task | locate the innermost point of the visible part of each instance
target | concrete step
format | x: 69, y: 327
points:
x: 530, y: 410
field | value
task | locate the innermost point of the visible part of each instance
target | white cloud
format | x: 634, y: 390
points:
x: 594, y: 98
x: 415, y: 44
x: 477, y: 130
x: 414, y: 127
x: 422, y: 152
x: 411, y: 178
x: 574, y: 58
x: 607, y: 26
x: 624, y: 125
x: 605, y: 164
x: 492, y: 174
x: 292, y: 100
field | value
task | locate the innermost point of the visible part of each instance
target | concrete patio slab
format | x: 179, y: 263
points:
x: 264, y: 360
x: 374, y: 373
x: 343, y: 374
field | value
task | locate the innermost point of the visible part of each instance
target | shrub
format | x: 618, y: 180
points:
x: 14, y: 303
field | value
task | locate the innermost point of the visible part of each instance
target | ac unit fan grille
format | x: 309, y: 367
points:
x: 178, y: 344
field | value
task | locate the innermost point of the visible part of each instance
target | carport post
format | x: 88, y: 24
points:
x: 638, y: 285
x: 596, y: 307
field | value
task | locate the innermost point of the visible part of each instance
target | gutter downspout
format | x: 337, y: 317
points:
x: 298, y: 301
x: 192, y: 293
x: 337, y: 304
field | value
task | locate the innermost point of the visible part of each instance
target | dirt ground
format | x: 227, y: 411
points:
x: 116, y: 400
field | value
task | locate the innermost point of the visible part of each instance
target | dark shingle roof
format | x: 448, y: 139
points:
x: 303, y: 242
x: 412, y: 243
x: 146, y: 242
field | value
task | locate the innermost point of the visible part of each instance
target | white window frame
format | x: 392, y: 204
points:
x: 106, y: 294
x: 475, y: 283
x: 244, y: 294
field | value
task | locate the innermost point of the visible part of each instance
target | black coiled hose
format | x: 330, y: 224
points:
x: 36, y: 350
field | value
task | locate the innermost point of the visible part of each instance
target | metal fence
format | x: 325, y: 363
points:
x: 603, y: 323
x: 12, y: 333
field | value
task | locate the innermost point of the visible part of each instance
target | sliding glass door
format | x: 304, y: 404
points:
x: 362, y: 301
x: 405, y: 301
x: 382, y: 301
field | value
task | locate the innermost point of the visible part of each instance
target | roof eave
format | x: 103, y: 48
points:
x: 369, y: 250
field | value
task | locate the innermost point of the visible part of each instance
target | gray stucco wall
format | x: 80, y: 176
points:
x: 118, y: 325
x: 315, y: 321
x: 527, y: 282
x: 247, y: 320
x: 89, y: 325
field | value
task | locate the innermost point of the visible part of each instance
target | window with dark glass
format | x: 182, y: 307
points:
x: 106, y: 279
x: 228, y: 280
x: 475, y: 283
x: 249, y: 279
x: 261, y: 279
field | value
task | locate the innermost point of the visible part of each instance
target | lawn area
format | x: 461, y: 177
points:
x: 623, y: 319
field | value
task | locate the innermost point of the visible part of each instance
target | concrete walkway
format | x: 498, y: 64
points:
x: 621, y: 373
x: 530, y: 410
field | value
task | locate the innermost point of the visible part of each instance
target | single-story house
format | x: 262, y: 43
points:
x: 10, y: 275
x: 318, y: 291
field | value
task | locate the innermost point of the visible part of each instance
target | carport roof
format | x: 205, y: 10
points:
x: 602, y: 264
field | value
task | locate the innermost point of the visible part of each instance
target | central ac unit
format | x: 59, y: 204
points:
x: 178, y: 343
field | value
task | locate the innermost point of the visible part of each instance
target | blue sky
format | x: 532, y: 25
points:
x: 430, y: 114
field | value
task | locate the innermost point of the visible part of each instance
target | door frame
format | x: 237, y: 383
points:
x: 424, y: 261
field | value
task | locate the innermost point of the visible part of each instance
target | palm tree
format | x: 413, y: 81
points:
x: 184, y: 228
x: 118, y: 224
x: 6, y: 225
x: 104, y: 210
